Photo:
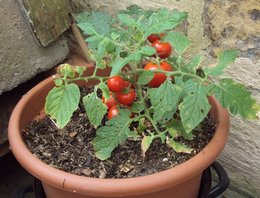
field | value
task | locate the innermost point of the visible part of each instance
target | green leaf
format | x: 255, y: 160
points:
x: 119, y: 63
x: 176, y: 129
x: 145, y: 77
x: 66, y: 70
x: 126, y: 20
x: 141, y: 125
x: 81, y: 17
x: 236, y: 98
x: 146, y: 143
x: 163, y: 20
x: 95, y: 23
x: 80, y: 70
x: 224, y: 60
x: 132, y: 10
x: 164, y: 100
x: 148, y: 50
x: 61, y: 102
x: 58, y: 82
x: 105, y: 91
x: 179, y: 147
x: 87, y: 28
x: 95, y: 109
x: 179, y: 81
x: 178, y: 41
x: 194, y: 63
x: 109, y: 137
x: 195, y: 105
x: 137, y: 107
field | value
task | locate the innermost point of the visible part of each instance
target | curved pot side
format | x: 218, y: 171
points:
x: 33, y: 102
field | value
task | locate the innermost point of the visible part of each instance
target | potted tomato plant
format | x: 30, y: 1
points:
x: 143, y: 94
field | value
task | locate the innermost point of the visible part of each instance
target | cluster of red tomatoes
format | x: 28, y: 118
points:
x: 163, y: 50
x: 122, y: 93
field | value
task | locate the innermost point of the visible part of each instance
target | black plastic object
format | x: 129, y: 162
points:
x: 223, y: 181
x: 20, y: 193
x: 206, y: 190
x: 38, y: 189
x: 205, y: 187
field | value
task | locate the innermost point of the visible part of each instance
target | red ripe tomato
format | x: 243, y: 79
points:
x: 128, y: 85
x: 163, y: 49
x: 115, y: 84
x: 110, y: 102
x: 153, y: 37
x: 126, y: 98
x: 113, y: 111
x: 158, y: 78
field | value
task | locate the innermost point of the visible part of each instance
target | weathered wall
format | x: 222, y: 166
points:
x: 215, y: 25
x: 20, y: 57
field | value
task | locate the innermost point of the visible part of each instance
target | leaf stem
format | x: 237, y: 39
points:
x: 92, y: 77
x: 176, y: 72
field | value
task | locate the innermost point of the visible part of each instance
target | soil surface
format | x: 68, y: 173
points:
x: 70, y: 149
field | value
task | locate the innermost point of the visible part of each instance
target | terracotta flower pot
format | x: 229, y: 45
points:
x: 181, y: 181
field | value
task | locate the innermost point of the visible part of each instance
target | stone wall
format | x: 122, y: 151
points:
x: 20, y: 57
x: 215, y: 25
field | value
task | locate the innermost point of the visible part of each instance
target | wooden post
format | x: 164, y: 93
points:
x: 48, y: 19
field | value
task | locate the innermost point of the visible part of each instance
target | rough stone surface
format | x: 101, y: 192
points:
x: 233, y: 24
x: 20, y: 57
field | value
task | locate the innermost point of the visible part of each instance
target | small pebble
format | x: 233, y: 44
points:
x: 73, y: 134
x: 102, y: 175
x: 165, y: 160
x: 86, y: 172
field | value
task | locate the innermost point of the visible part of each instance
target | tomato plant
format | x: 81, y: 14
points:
x: 126, y: 98
x: 163, y: 49
x: 116, y: 84
x: 144, y: 84
x: 158, y: 78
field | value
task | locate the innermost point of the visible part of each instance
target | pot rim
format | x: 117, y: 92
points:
x: 114, y: 187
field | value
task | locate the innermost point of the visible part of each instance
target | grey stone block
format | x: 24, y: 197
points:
x: 20, y: 56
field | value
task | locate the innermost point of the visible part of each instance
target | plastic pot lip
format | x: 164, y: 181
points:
x: 114, y: 187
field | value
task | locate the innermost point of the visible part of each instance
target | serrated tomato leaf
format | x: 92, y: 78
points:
x: 95, y: 109
x: 105, y: 91
x: 178, y: 147
x: 145, y: 77
x: 164, y: 101
x: 194, y: 62
x: 137, y: 107
x: 126, y: 20
x: 225, y: 58
x: 195, y: 105
x: 163, y: 20
x: 98, y: 21
x: 119, y: 63
x: 148, y: 50
x: 146, y: 143
x: 179, y: 41
x: 236, y: 98
x: 61, y: 102
x: 176, y: 129
x: 110, y: 136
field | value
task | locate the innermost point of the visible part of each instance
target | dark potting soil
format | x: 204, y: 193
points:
x: 70, y: 149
